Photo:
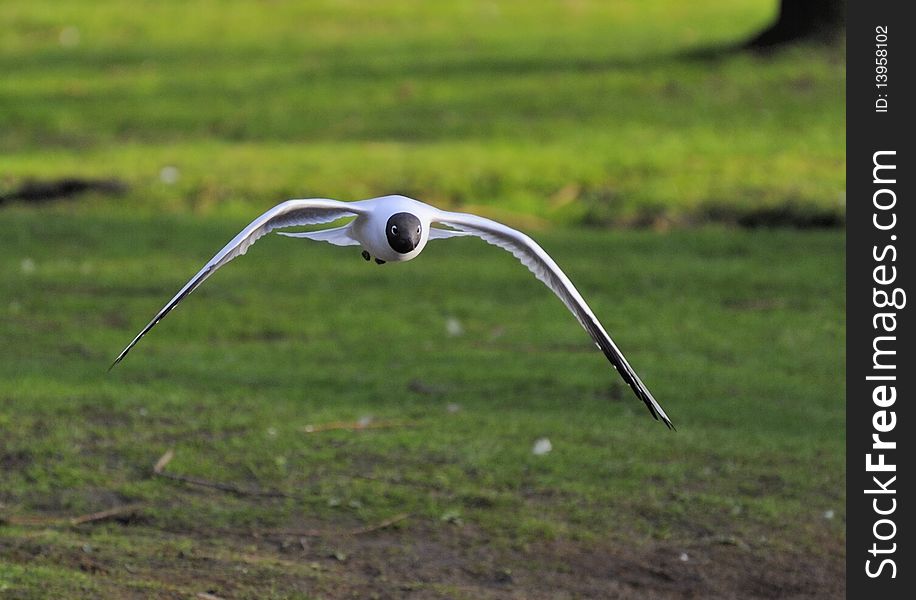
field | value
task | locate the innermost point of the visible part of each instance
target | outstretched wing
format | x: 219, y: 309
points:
x: 544, y: 268
x: 338, y: 236
x: 286, y: 214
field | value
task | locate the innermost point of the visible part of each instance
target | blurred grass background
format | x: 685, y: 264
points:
x: 595, y: 112
x: 576, y: 120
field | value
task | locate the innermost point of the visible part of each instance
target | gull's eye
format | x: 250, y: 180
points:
x: 394, y: 230
x: 418, y: 230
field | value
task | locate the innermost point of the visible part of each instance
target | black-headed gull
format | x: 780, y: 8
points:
x: 396, y: 229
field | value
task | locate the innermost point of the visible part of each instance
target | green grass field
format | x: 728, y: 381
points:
x: 587, y: 112
x: 574, y: 120
x: 739, y: 335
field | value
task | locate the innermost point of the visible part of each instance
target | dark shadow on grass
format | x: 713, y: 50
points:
x: 35, y: 191
x: 722, y: 52
x: 789, y: 214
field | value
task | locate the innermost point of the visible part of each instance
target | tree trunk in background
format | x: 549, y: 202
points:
x: 818, y: 20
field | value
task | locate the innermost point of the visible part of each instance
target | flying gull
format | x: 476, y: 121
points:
x: 396, y: 229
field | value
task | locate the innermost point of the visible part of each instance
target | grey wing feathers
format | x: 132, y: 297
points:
x: 287, y: 214
x: 545, y: 269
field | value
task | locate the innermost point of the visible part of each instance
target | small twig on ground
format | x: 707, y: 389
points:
x: 208, y: 596
x: 306, y: 533
x: 106, y: 514
x: 38, y: 520
x: 353, y: 426
x: 300, y: 533
x: 28, y: 520
x: 165, y: 459
x: 223, y: 487
x: 380, y: 525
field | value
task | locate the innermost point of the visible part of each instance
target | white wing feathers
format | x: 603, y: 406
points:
x: 544, y: 268
x: 314, y: 211
x: 287, y: 214
x: 339, y: 236
x: 440, y: 234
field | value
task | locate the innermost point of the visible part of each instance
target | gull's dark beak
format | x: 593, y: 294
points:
x: 405, y: 243
x: 403, y: 231
x: 412, y: 239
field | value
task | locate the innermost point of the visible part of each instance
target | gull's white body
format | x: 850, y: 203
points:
x: 369, y: 230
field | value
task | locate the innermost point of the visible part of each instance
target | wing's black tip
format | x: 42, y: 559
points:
x: 120, y: 358
x: 657, y: 412
x: 663, y: 419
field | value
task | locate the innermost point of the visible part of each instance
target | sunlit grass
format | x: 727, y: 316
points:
x: 740, y: 336
x: 537, y: 113
x: 577, y: 112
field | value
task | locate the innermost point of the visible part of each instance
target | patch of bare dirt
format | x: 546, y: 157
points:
x: 13, y: 460
x: 429, y: 560
x: 421, y: 559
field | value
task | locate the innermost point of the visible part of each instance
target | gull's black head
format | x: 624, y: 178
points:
x: 403, y: 231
